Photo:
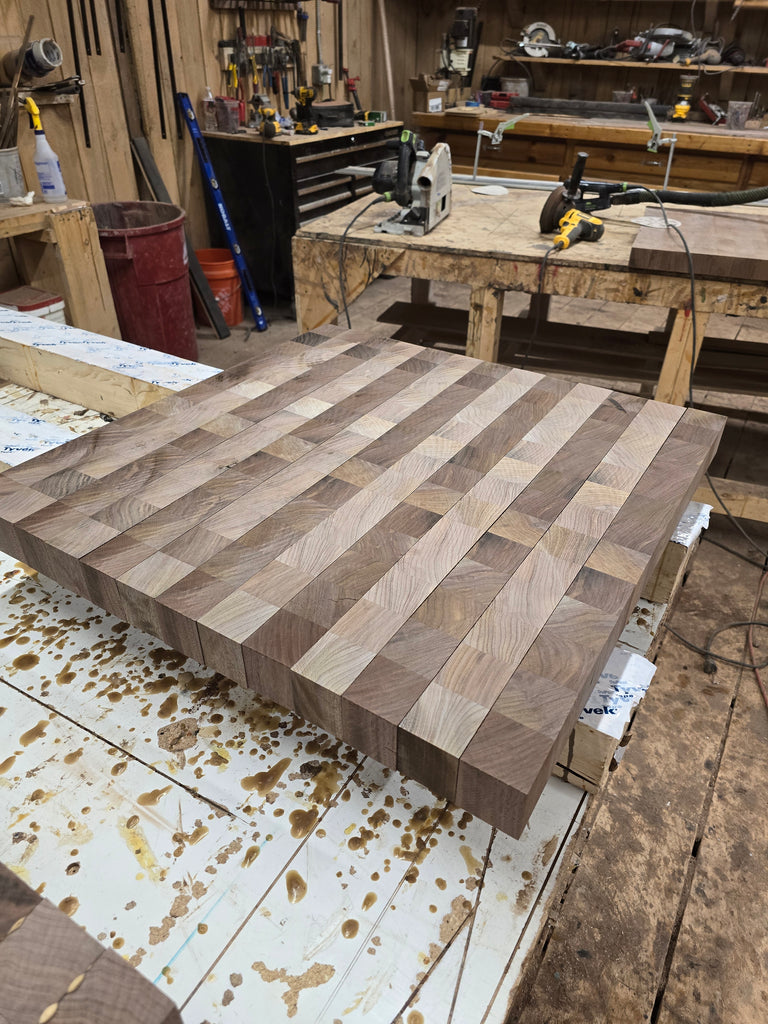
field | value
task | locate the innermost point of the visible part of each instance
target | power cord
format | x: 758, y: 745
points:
x: 709, y: 655
x: 691, y: 403
x: 710, y: 658
x: 342, y: 240
x: 539, y: 292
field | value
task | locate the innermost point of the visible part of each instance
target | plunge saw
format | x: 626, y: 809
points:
x: 418, y: 181
x: 588, y: 196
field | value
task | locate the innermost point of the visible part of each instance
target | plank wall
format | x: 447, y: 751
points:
x: 595, y: 23
x: 121, y: 97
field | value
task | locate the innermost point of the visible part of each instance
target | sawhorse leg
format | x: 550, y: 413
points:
x: 485, y: 308
x: 680, y: 359
x: 67, y: 257
x: 420, y: 289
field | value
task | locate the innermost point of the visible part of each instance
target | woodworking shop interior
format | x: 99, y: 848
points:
x: 383, y: 512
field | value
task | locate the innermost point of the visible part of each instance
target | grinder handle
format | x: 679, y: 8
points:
x: 573, y: 183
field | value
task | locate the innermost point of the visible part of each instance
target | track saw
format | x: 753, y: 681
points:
x: 418, y: 181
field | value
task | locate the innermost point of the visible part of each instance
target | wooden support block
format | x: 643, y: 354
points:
x: 74, y: 265
x: 745, y: 501
x: 680, y: 358
x: 485, y: 306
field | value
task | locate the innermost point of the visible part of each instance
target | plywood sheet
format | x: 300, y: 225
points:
x: 428, y: 555
x: 722, y: 244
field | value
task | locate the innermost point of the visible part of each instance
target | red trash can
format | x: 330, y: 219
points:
x: 145, y: 252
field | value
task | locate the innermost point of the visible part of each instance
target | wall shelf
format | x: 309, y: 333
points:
x: 712, y: 70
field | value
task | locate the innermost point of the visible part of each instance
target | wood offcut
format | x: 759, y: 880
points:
x: 426, y: 554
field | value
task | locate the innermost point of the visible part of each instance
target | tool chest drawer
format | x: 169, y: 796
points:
x: 273, y: 187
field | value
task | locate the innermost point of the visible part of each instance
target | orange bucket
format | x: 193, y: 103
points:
x: 221, y: 273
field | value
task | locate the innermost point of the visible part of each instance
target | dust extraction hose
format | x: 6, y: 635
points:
x: 640, y: 194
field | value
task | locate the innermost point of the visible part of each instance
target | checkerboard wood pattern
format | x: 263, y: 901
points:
x: 428, y: 555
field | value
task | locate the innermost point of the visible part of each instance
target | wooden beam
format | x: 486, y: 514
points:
x: 745, y: 501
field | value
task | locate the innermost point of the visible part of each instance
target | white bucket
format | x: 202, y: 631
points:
x: 11, y: 176
x: 515, y: 86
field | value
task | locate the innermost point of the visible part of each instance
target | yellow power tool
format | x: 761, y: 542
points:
x: 269, y: 126
x: 302, y: 112
x: 576, y: 226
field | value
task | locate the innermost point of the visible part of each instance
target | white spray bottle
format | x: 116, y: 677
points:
x: 46, y: 162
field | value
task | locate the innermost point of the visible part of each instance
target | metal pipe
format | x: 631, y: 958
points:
x: 387, y: 61
x: 317, y: 30
x: 467, y: 179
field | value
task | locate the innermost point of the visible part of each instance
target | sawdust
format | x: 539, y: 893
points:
x: 178, y: 736
x: 313, y: 977
x: 180, y: 904
x: 453, y: 920
x: 159, y: 933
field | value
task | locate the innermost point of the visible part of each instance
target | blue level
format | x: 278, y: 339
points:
x: 213, y: 187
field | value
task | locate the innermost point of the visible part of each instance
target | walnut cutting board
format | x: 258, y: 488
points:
x: 428, y: 555
x: 722, y: 244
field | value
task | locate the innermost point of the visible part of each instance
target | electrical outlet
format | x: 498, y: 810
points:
x: 322, y: 74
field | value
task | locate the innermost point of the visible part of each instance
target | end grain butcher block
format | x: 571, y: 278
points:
x: 428, y: 555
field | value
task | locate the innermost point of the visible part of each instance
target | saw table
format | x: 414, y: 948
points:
x: 493, y: 244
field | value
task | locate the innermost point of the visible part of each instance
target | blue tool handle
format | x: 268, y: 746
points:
x: 204, y: 158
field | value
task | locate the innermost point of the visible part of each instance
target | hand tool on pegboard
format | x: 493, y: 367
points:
x: 78, y: 70
x: 213, y: 187
x: 86, y: 30
x: 95, y: 24
x: 156, y: 62
x: 171, y: 69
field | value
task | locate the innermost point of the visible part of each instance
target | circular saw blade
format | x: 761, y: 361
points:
x: 556, y: 206
x: 538, y: 37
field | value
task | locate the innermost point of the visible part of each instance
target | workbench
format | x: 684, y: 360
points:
x: 706, y: 157
x: 493, y: 244
x: 273, y: 186
x: 57, y: 249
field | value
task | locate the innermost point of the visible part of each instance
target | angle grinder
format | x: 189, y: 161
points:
x: 588, y: 196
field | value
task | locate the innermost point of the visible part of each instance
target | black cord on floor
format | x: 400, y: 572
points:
x: 342, y: 287
x: 709, y: 654
x: 732, y: 551
x: 539, y: 293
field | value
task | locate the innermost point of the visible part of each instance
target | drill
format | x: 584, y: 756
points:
x: 576, y: 226
x: 269, y: 126
x: 302, y: 112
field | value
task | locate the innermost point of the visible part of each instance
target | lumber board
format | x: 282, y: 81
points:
x: 722, y: 244
x: 100, y: 373
x: 429, y: 555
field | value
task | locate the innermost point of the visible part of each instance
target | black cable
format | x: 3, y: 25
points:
x: 732, y: 551
x: 539, y: 292
x: 733, y: 519
x: 709, y: 654
x: 342, y: 289
x: 691, y: 404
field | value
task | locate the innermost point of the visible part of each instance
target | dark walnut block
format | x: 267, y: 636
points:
x: 428, y: 555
